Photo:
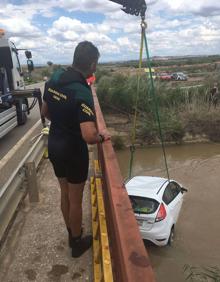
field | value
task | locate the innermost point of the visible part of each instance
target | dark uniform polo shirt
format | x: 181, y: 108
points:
x: 70, y: 102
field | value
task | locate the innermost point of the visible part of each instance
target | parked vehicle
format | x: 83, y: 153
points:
x: 179, y: 76
x: 156, y: 203
x: 14, y: 106
x: 165, y: 76
x: 147, y: 71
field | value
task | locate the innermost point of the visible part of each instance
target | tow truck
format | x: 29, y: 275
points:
x: 14, y: 105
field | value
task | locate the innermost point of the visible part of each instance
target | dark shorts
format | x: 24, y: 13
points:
x: 69, y: 157
x: 74, y: 170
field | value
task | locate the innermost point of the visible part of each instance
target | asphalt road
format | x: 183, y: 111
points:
x: 9, y: 140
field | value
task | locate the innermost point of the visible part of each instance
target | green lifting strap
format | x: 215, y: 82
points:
x: 133, y: 137
x: 155, y: 100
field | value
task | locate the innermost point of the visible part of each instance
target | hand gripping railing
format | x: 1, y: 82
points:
x: 130, y: 261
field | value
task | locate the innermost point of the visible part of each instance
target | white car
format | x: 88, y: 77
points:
x: 156, y: 203
x: 179, y: 76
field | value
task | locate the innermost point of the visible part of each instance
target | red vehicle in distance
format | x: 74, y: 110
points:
x: 164, y: 76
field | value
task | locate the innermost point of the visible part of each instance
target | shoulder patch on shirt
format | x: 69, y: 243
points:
x: 57, y: 94
x: 86, y: 109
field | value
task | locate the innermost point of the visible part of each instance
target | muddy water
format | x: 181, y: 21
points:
x: 197, y: 237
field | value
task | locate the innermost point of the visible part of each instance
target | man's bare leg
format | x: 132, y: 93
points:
x: 79, y: 245
x: 64, y: 200
x: 75, y: 207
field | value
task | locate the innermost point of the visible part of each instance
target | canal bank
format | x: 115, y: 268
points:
x: 121, y: 128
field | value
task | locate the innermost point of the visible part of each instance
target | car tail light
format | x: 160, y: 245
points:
x: 161, y: 213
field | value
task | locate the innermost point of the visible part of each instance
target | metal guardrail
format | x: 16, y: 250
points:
x: 130, y: 260
x: 102, y: 265
x: 12, y: 192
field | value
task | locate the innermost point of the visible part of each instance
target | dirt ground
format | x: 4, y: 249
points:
x: 36, y: 248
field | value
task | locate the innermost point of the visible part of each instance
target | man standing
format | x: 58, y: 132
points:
x: 214, y: 95
x: 68, y: 103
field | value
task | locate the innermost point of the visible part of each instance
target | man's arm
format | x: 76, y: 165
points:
x: 44, y: 110
x: 90, y: 133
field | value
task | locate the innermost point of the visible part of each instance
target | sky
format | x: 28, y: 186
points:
x: 52, y: 29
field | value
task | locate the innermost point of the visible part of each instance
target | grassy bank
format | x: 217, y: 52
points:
x: 184, y: 108
x: 184, y: 111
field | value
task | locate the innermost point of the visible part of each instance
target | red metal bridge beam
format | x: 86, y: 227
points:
x: 129, y: 256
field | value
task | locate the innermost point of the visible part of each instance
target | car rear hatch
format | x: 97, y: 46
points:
x: 144, y: 210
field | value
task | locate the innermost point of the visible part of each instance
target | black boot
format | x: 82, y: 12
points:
x: 70, y: 236
x: 80, y: 245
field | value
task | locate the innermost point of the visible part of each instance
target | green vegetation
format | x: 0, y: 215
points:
x: 118, y: 142
x: 183, y: 106
x: 182, y: 109
x: 171, y: 61
x: 203, y: 274
x: 39, y: 73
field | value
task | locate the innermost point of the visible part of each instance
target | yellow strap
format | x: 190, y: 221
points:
x: 45, y: 131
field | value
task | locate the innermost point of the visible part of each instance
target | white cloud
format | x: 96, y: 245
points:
x: 17, y: 20
x: 127, y: 45
x: 202, y: 7
x: 19, y: 27
x: 72, y: 30
x: 174, y: 28
x: 99, y: 6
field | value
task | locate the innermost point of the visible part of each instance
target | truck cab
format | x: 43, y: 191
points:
x: 10, y: 62
x: 13, y: 111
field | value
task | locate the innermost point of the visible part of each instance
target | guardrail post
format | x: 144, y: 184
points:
x: 31, y: 175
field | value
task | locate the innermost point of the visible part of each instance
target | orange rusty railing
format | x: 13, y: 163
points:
x: 130, y: 260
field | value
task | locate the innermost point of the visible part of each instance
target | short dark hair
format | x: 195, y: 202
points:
x: 85, y: 54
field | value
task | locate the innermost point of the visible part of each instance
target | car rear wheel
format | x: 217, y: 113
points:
x: 171, y: 237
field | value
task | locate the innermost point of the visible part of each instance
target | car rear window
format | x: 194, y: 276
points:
x: 143, y: 205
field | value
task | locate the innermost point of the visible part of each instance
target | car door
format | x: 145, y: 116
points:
x: 173, y: 198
